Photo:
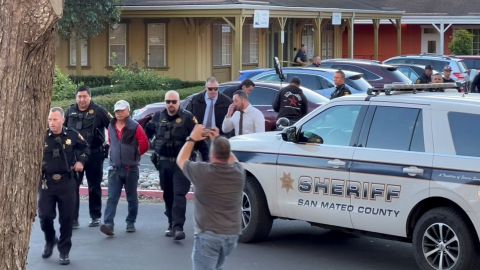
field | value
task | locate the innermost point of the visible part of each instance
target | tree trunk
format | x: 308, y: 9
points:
x: 27, y: 54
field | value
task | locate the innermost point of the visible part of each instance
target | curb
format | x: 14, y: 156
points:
x: 146, y: 194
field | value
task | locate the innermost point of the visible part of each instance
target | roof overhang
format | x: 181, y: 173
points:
x: 248, y: 10
x: 430, y: 19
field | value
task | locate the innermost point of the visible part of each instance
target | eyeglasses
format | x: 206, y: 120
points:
x: 212, y: 88
x: 171, y: 101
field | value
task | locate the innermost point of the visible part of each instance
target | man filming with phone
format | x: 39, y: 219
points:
x: 242, y: 116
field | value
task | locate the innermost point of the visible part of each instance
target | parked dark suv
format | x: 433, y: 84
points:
x: 377, y: 74
x: 438, y: 62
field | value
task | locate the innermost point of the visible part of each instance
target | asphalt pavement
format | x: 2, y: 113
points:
x: 291, y: 245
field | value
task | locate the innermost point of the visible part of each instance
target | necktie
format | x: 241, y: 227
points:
x: 209, y: 123
x: 240, y: 124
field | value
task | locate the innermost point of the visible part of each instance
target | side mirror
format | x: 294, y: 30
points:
x: 282, y: 123
x: 290, y: 134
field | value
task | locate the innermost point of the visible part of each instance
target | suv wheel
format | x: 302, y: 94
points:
x: 442, y: 240
x: 256, y: 219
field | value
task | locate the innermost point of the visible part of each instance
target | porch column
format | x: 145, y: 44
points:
x: 376, y: 26
x: 351, y: 32
x: 237, y: 46
x: 281, y: 22
x: 398, y: 25
x: 442, y: 29
x: 317, y: 37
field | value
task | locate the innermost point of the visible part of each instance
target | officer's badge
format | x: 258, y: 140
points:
x: 178, y: 120
x: 195, y: 120
x: 91, y: 111
x: 68, y: 142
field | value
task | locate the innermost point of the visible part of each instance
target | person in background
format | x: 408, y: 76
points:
x: 340, y: 88
x: 300, y: 58
x: 247, y: 86
x: 316, y: 61
x: 290, y: 102
x: 426, y: 77
x: 447, y: 72
x: 243, y: 117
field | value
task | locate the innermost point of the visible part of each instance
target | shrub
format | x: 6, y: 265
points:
x: 145, y: 79
x: 462, y: 43
x: 137, y: 99
x: 63, y: 87
x: 92, y: 81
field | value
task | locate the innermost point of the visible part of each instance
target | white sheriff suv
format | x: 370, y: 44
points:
x: 405, y: 165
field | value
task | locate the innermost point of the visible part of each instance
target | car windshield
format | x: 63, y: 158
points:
x: 358, y: 82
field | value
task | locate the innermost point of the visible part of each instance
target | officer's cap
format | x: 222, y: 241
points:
x: 447, y: 68
x: 121, y: 105
x: 429, y: 67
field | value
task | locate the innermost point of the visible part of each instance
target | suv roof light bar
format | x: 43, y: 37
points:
x: 413, y: 88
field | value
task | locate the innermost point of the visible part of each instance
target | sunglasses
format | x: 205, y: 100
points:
x: 171, y: 101
x: 212, y: 88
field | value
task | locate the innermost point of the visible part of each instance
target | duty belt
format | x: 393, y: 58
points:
x: 57, y: 177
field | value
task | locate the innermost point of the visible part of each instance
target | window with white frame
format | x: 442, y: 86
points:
x: 476, y: 41
x: 250, y: 45
x: 222, y: 45
x: 117, y: 45
x: 73, y: 51
x: 307, y: 40
x: 157, y: 53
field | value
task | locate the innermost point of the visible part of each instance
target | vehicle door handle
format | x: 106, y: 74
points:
x: 413, y: 171
x: 336, y: 163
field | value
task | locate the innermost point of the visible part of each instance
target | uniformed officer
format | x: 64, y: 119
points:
x: 90, y: 120
x: 171, y: 128
x: 340, y: 88
x: 426, y: 76
x: 65, y: 152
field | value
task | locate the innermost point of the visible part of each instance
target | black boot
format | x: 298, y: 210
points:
x: 48, y: 248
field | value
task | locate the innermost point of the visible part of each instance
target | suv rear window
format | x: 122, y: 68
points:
x: 465, y: 129
x: 358, y: 82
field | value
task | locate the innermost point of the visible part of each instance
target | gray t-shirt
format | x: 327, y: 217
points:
x: 218, y: 196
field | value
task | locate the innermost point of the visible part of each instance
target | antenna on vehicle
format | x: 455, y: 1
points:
x: 278, y: 70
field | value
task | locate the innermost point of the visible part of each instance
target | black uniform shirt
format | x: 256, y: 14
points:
x: 91, y: 123
x: 62, y: 151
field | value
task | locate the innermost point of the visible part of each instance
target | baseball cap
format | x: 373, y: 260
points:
x: 429, y: 67
x: 121, y: 105
x: 248, y: 83
x: 447, y: 68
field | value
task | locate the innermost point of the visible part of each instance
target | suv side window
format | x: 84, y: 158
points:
x: 334, y: 125
x: 262, y: 96
x: 465, y: 128
x: 269, y: 78
x: 397, y: 129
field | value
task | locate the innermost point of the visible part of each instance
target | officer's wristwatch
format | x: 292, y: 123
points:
x: 189, y: 139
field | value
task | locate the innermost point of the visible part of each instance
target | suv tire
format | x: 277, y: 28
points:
x: 256, y: 219
x: 441, y: 233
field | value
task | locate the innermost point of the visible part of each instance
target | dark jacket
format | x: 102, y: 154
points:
x: 91, y: 123
x: 171, y: 132
x: 475, y: 86
x: 340, y: 91
x: 290, y: 103
x: 62, y: 151
x: 197, y: 107
x: 424, y: 79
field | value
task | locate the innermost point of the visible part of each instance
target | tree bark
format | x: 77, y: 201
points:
x: 27, y: 60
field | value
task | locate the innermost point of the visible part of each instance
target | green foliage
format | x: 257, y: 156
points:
x: 462, y: 43
x: 91, y: 81
x: 137, y: 99
x: 63, y: 87
x: 87, y: 18
x: 133, y: 78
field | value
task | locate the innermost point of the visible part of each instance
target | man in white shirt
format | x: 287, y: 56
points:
x: 243, y: 117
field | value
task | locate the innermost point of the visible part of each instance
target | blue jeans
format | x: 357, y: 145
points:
x: 117, y: 178
x: 211, y: 249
